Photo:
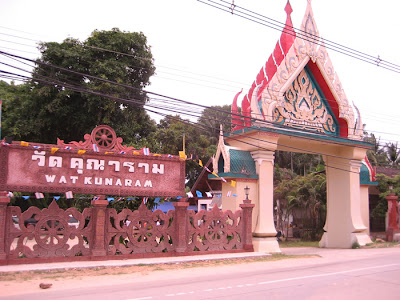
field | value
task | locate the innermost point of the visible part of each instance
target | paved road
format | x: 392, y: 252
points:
x: 336, y: 274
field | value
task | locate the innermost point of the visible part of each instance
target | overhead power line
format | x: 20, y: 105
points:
x: 306, y: 36
x: 214, y: 85
x: 20, y: 59
x: 133, y: 88
x: 178, y: 110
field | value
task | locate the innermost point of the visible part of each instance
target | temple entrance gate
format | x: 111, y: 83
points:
x: 297, y: 104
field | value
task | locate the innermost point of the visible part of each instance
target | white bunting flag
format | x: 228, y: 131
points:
x: 39, y: 195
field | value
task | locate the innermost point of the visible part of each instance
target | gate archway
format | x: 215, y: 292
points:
x: 297, y: 104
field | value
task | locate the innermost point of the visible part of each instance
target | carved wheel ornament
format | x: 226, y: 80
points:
x: 142, y: 230
x: 214, y: 230
x: 51, y: 232
x: 52, y: 235
x: 103, y: 136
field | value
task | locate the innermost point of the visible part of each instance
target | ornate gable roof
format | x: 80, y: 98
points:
x: 298, y: 87
x: 232, y: 162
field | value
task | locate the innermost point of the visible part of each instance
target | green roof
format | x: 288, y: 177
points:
x: 242, y: 162
x: 365, y: 176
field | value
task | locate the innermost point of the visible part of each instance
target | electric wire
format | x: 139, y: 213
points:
x: 138, y: 57
x: 307, y: 36
x: 179, y: 110
x: 16, y: 30
x: 315, y: 37
x: 101, y: 48
x: 17, y: 50
x: 59, y: 68
x: 151, y: 59
x: 135, y: 56
x: 136, y: 102
x: 180, y: 107
x: 18, y: 37
x: 21, y: 44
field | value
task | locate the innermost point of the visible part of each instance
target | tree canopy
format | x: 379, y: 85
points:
x: 72, y: 89
x: 211, y: 119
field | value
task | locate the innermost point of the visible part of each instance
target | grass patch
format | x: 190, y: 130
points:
x: 288, y: 244
x: 7, y: 276
x: 381, y: 244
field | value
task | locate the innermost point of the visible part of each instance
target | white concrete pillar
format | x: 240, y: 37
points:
x: 344, y: 224
x: 264, y: 239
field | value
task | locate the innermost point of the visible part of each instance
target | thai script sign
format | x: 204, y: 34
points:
x: 31, y: 170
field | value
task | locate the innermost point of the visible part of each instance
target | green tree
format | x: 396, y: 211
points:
x: 300, y: 163
x: 168, y: 139
x: 393, y: 154
x: 69, y: 104
x: 211, y: 119
x: 16, y: 106
x: 284, y: 204
x: 284, y: 159
x: 384, y: 182
x: 305, y: 198
x: 376, y: 155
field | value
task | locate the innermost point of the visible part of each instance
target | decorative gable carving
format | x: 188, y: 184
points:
x: 267, y: 96
x: 303, y: 108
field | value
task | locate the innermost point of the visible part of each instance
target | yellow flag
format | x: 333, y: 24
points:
x: 136, y: 153
x: 156, y: 154
x: 182, y: 155
x: 200, y: 163
x: 108, y: 152
x: 24, y: 143
x: 215, y: 174
x: 54, y: 150
x: 80, y: 152
x: 233, y: 183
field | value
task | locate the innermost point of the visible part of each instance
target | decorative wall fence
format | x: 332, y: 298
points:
x: 100, y: 233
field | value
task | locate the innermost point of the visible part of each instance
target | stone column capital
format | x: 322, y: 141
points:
x: 355, y: 164
x: 263, y: 155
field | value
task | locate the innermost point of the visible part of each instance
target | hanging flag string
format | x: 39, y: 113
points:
x: 182, y: 155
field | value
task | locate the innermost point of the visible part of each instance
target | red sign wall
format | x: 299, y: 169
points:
x: 41, y: 169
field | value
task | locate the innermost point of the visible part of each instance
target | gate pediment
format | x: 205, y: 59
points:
x: 304, y: 107
x: 298, y: 87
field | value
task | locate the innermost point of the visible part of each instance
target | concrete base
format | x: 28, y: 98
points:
x: 266, y: 245
x: 396, y: 237
x: 362, y: 238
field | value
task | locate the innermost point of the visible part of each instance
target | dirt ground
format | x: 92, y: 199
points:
x: 18, y: 283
